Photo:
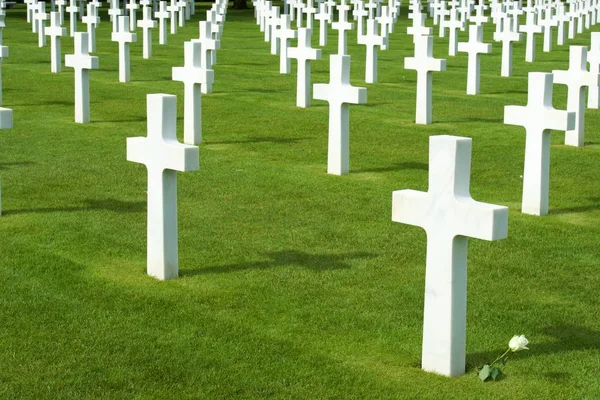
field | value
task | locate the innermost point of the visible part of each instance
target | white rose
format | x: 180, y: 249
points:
x: 518, y: 343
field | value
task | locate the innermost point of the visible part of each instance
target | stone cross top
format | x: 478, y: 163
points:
x: 163, y: 155
x: 339, y: 93
x: 55, y: 31
x: 162, y: 15
x: 342, y: 26
x: 124, y: 38
x: 424, y: 63
x: 474, y: 48
x: 371, y: 40
x: 82, y: 62
x: 192, y: 75
x: 576, y: 78
x: 538, y: 118
x: 147, y: 24
x: 304, y: 53
x: 449, y: 216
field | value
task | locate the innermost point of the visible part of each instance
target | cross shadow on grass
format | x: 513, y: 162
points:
x: 591, y: 207
x: 45, y: 103
x: 6, y: 165
x: 566, y: 338
x: 133, y: 119
x: 113, y: 205
x: 395, y: 167
x: 315, y: 262
x: 267, y: 139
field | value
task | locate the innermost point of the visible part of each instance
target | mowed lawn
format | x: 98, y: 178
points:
x: 293, y: 283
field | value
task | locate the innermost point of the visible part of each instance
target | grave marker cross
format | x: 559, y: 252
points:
x: 371, y: 40
x: 304, y: 53
x: 55, y: 31
x: 449, y: 216
x: 474, y: 48
x: 82, y: 62
x: 339, y: 93
x: 538, y: 118
x: 424, y: 63
x: 162, y: 14
x: 147, y: 24
x: 576, y: 78
x: 192, y: 75
x: 163, y: 155
x: 124, y: 38
x: 91, y: 20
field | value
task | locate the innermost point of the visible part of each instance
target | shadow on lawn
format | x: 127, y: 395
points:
x: 255, y: 140
x: 316, y: 262
x: 6, y: 165
x: 396, y: 167
x: 92, y: 205
x: 567, y: 338
x: 570, y: 210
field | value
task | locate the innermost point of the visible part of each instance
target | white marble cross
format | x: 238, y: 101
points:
x: 304, y: 53
x: 114, y: 11
x: 342, y: 26
x: 453, y: 25
x: 449, y: 216
x: 576, y: 78
x: 273, y: 26
x: 386, y: 22
x: 530, y: 29
x: 163, y: 155
x: 73, y: 10
x: 55, y: 31
x: 60, y: 4
x: 507, y: 36
x: 82, y: 62
x: 339, y: 93
x: 132, y: 8
x: 561, y: 18
x: 209, y: 45
x: 418, y: 27
x: 91, y: 20
x: 371, y: 40
x: 41, y: 16
x: 124, y: 38
x: 547, y: 23
x: 173, y: 10
x: 162, y: 14
x: 147, y: 24
x: 359, y: 14
x: 593, y: 58
x: 480, y: 18
x: 309, y: 11
x: 324, y: 19
x: 285, y: 34
x: 193, y: 75
x: 538, y: 118
x: 474, y: 48
x: 424, y: 63
x: 181, y: 6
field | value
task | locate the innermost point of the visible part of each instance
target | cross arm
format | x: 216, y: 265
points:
x: 481, y: 220
x: 169, y: 154
x: 411, y: 207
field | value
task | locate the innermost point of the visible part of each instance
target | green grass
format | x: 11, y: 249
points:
x: 294, y: 283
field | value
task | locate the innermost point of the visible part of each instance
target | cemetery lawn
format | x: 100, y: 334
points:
x: 293, y: 283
